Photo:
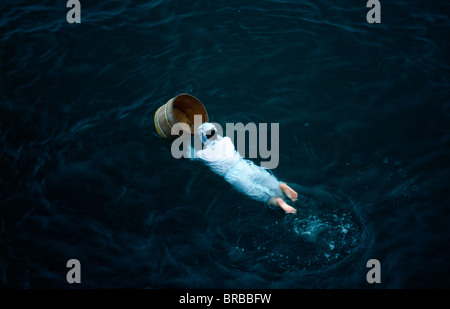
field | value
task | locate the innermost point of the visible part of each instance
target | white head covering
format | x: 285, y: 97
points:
x: 203, y: 128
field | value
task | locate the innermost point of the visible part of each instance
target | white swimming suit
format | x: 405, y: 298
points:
x: 219, y: 155
x: 248, y: 178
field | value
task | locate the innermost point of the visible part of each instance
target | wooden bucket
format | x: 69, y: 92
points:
x: 181, y: 108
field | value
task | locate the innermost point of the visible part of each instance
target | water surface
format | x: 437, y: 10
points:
x: 364, y: 137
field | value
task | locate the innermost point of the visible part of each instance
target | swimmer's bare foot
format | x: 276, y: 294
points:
x: 282, y: 204
x: 290, y: 193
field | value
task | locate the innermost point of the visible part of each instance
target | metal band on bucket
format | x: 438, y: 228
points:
x: 165, y: 115
x: 158, y: 128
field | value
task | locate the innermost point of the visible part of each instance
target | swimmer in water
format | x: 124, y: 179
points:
x: 258, y: 183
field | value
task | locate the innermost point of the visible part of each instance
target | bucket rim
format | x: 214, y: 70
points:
x: 173, y: 100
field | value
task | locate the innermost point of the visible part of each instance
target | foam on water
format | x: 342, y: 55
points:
x: 314, y: 238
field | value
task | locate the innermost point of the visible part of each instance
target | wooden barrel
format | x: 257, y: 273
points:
x: 181, y: 108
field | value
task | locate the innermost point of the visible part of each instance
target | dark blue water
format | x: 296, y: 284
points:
x: 364, y: 113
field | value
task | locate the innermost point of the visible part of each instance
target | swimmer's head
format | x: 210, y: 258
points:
x: 206, y: 131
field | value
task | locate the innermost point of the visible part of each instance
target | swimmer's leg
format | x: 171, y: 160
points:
x: 278, y: 202
x: 289, y: 192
